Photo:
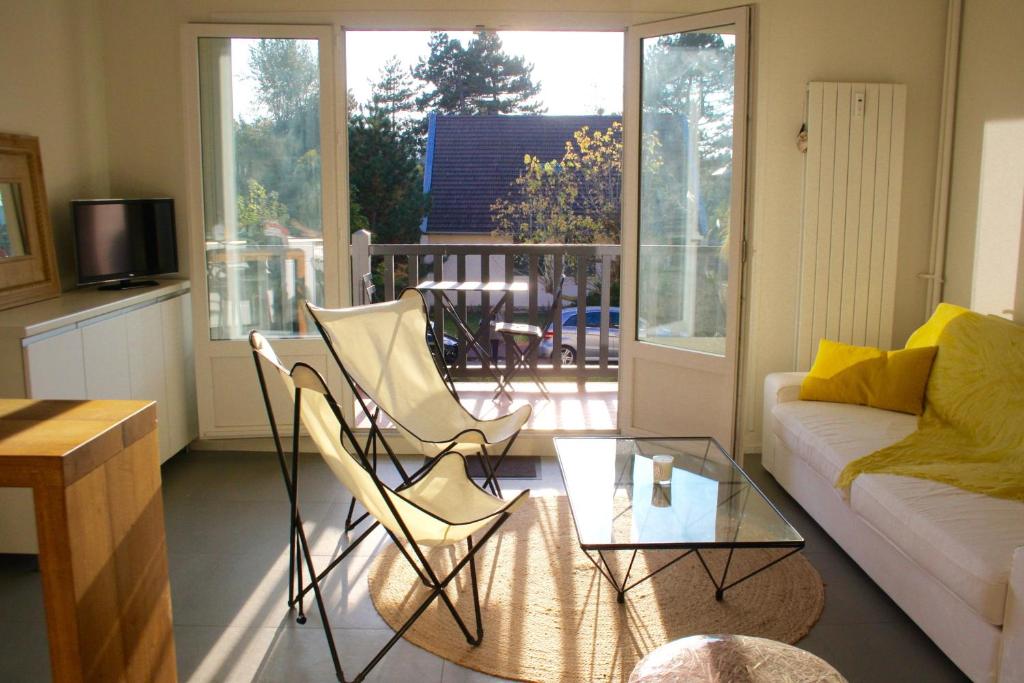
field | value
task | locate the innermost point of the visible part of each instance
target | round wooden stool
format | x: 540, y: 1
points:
x: 732, y: 659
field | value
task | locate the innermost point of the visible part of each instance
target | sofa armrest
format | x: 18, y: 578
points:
x: 1011, y: 662
x: 779, y: 387
x: 782, y: 387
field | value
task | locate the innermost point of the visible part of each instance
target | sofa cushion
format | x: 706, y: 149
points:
x: 965, y: 540
x: 829, y: 435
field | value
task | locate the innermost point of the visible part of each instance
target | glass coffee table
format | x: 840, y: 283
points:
x: 705, y: 501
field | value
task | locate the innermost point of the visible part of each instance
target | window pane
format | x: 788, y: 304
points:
x: 594, y: 319
x: 260, y: 126
x: 570, y: 321
x: 685, y: 189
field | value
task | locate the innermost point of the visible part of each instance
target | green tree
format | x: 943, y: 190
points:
x: 394, y: 94
x: 574, y: 199
x: 287, y: 77
x: 280, y: 149
x: 477, y: 79
x: 256, y: 209
x: 384, y: 169
x: 386, y: 179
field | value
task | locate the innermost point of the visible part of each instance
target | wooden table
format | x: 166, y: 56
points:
x: 93, y: 467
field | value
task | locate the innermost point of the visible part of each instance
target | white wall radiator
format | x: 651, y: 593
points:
x: 853, y: 181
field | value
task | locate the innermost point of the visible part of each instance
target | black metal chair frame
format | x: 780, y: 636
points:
x: 300, y: 554
x: 377, y: 436
x: 523, y: 360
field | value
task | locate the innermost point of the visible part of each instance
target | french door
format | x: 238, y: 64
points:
x: 683, y: 225
x: 267, y: 232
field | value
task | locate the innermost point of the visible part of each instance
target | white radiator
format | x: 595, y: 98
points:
x: 851, y: 214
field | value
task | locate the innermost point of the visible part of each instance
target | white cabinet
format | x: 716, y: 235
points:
x: 141, y: 353
x: 89, y: 344
x: 55, y: 367
x: 180, y: 421
x: 104, y: 348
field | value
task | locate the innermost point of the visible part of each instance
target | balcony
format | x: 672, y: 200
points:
x: 584, y: 393
x: 265, y: 286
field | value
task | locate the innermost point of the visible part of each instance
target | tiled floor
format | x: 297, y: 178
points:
x: 227, y: 540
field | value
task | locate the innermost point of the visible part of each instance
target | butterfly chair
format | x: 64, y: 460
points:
x: 532, y: 335
x: 382, y: 355
x: 440, y: 506
x: 369, y: 290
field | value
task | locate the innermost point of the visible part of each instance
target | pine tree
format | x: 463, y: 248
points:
x: 386, y: 179
x: 394, y: 94
x: 478, y: 79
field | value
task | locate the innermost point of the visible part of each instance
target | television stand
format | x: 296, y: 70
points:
x: 128, y: 284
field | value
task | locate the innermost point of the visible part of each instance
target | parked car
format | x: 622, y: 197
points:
x: 449, y: 345
x: 570, y: 340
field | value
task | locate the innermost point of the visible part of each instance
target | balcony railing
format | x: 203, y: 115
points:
x: 592, y: 276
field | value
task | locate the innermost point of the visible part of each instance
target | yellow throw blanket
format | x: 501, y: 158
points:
x: 972, y: 432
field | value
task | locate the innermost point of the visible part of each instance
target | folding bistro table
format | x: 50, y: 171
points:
x: 445, y: 288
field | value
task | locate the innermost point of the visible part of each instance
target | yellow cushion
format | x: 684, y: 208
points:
x: 892, y: 380
x: 928, y: 334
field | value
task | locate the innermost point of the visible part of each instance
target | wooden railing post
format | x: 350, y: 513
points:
x: 360, y: 262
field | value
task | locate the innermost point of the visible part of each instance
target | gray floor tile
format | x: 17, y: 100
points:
x: 24, y: 656
x: 21, y: 593
x: 453, y: 673
x: 220, y: 653
x: 233, y: 476
x: 242, y: 527
x: 300, y: 655
x: 251, y: 591
x: 881, y: 653
x: 850, y: 596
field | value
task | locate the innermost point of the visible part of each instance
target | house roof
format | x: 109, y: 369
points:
x: 472, y: 160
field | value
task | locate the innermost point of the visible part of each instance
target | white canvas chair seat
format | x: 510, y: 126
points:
x: 441, y: 506
x: 382, y: 351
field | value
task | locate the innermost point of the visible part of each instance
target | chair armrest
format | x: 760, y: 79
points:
x: 779, y: 387
x: 1011, y: 662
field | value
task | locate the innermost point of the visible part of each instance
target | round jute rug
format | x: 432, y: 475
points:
x: 548, y: 614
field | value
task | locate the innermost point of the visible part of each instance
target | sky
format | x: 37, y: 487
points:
x: 579, y: 73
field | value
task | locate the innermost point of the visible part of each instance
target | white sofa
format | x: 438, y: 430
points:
x: 951, y: 559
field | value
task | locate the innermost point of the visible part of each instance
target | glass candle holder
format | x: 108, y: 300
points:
x: 663, y: 469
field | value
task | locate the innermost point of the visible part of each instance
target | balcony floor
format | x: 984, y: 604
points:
x: 572, y: 408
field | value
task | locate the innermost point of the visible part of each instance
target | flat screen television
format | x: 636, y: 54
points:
x: 119, y: 239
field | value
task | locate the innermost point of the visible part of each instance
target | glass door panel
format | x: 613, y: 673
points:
x: 686, y: 150
x: 262, y: 185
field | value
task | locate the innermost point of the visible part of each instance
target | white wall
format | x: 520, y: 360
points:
x: 985, y: 258
x: 795, y: 41
x: 52, y: 79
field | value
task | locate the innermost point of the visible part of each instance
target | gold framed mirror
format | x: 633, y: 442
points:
x: 28, y: 267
